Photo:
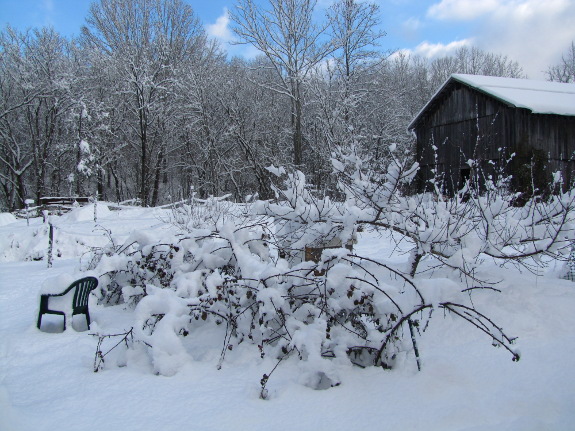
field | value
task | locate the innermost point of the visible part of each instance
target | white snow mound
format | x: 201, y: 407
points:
x: 86, y: 213
x: 6, y: 218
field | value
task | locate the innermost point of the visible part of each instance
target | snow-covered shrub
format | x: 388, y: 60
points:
x: 237, y: 272
x: 31, y: 243
x: 195, y: 213
x: 206, y: 275
x: 480, y: 219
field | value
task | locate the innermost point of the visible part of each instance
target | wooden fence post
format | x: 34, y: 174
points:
x: 50, y: 243
x: 27, y: 204
x: 95, y: 198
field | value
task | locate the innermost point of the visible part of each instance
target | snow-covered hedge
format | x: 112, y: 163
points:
x: 239, y: 271
x: 343, y: 308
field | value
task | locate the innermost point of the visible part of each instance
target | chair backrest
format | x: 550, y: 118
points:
x: 83, y: 288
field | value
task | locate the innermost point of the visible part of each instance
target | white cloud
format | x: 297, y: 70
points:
x: 220, y: 29
x: 436, y: 50
x: 433, y: 50
x: 532, y: 32
x: 462, y: 9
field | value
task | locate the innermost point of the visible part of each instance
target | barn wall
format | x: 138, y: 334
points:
x: 551, y: 135
x: 464, y: 124
x: 555, y: 134
x: 562, y: 146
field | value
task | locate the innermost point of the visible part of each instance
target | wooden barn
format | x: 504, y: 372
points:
x: 487, y: 119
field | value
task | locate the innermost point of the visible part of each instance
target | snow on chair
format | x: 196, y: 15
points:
x: 82, y: 287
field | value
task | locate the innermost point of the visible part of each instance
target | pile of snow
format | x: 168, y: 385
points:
x: 6, y: 218
x: 75, y: 233
x: 32, y: 242
x: 86, y: 213
x: 57, y: 284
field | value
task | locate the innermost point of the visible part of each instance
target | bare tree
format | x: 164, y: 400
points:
x: 564, y: 71
x: 287, y: 35
x: 36, y: 83
x: 355, y: 29
x: 253, y: 131
x: 148, y: 41
x: 15, y: 155
x: 473, y: 61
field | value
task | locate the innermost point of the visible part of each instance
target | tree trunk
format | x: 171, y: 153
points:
x: 100, y: 185
x: 77, y: 175
x: 117, y: 185
x: 143, y: 125
x: 296, y: 124
x: 157, y: 176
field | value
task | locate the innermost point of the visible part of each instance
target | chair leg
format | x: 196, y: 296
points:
x: 88, y: 319
x: 39, y: 320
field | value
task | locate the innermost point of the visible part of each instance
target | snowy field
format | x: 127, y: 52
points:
x: 47, y: 380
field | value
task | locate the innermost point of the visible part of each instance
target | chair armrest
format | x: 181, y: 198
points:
x: 47, y: 295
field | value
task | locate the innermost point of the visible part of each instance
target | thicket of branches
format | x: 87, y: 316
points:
x: 565, y: 70
x: 236, y: 273
x: 144, y: 105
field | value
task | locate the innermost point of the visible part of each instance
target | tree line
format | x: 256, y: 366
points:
x: 145, y: 105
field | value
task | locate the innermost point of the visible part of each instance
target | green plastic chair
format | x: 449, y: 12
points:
x: 79, y: 303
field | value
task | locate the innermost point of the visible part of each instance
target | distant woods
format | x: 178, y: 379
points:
x: 143, y: 104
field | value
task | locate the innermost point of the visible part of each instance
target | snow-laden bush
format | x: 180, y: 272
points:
x: 195, y: 213
x: 481, y: 219
x: 239, y: 272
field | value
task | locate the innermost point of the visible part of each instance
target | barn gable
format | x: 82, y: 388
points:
x: 489, y: 118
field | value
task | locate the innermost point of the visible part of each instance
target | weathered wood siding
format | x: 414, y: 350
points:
x: 463, y: 123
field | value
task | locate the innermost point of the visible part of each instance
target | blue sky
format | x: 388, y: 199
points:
x: 533, y: 32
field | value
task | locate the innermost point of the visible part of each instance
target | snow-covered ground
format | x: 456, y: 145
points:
x: 47, y: 380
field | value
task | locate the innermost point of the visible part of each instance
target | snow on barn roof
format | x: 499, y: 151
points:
x: 540, y: 97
